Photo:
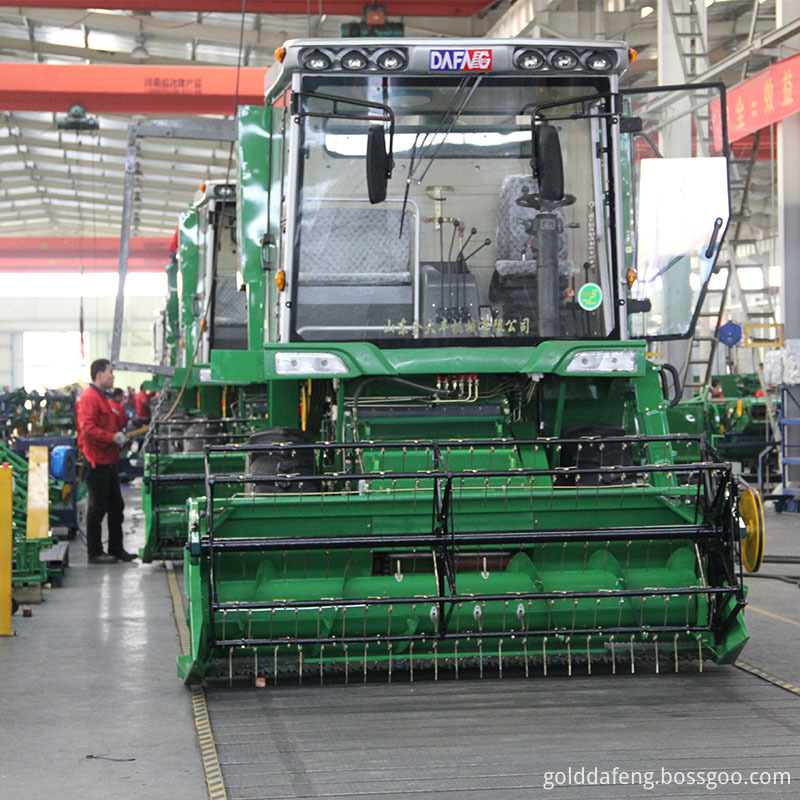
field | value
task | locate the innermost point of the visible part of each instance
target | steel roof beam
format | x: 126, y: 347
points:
x: 420, y: 8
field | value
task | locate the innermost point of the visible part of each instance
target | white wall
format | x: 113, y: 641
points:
x: 56, y: 314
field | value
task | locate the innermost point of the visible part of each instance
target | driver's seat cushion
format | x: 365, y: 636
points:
x: 354, y: 247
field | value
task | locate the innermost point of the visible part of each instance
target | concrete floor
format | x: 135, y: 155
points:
x: 92, y: 673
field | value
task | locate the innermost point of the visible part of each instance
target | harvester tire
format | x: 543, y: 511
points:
x: 280, y: 462
x: 595, y: 454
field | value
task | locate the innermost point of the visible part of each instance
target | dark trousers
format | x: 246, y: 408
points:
x: 105, y: 497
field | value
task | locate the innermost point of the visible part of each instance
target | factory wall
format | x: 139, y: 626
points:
x: 60, y: 315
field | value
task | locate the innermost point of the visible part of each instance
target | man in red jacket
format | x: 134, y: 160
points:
x: 99, y: 438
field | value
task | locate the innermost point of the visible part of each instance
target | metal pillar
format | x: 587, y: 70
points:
x: 208, y: 130
x: 788, y: 168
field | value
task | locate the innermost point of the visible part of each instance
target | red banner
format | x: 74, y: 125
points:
x: 764, y: 99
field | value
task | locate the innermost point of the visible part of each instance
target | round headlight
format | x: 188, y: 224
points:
x: 599, y: 61
x: 354, y: 60
x: 391, y: 59
x: 564, y: 60
x: 530, y: 59
x: 316, y: 60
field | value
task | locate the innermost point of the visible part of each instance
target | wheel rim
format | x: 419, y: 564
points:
x: 751, y: 510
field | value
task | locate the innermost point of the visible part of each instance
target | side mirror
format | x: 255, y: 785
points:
x: 548, y: 167
x: 377, y: 164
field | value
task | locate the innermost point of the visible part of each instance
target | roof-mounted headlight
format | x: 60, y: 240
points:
x: 391, y: 59
x: 563, y: 59
x: 225, y: 191
x: 530, y: 59
x: 309, y: 364
x: 316, y: 60
x: 354, y: 60
x: 608, y: 361
x: 600, y: 61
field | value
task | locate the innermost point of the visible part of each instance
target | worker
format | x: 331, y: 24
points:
x: 142, y: 406
x: 100, y: 439
x: 118, y: 407
x: 716, y: 389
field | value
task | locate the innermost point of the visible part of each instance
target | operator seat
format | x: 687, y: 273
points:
x: 353, y: 274
x: 512, y: 240
x: 353, y: 246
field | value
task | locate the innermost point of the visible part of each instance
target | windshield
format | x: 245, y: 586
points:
x: 463, y: 247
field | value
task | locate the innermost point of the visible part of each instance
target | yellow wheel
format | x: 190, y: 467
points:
x: 752, y: 513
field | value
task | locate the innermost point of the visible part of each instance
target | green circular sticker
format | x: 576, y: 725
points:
x: 590, y: 297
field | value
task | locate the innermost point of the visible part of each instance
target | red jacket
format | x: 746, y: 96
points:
x: 142, y: 405
x: 119, y: 410
x: 98, y: 421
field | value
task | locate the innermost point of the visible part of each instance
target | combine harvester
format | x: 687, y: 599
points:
x: 203, y: 311
x: 467, y: 245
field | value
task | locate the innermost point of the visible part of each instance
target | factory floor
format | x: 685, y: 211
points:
x: 90, y: 708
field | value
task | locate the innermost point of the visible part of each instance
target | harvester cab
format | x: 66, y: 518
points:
x: 213, y: 311
x: 467, y: 245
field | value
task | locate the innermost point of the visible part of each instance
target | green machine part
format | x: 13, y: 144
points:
x: 172, y: 317
x: 472, y: 501
x: 500, y: 547
x: 189, y: 285
x: 736, y: 424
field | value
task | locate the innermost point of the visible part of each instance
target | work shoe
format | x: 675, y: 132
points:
x: 103, y: 558
x: 124, y: 555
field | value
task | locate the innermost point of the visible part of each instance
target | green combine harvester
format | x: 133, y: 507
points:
x: 204, y: 310
x: 454, y: 254
x: 736, y: 424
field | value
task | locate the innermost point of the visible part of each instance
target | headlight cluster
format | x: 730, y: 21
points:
x: 309, y: 364
x: 354, y: 59
x: 608, y: 361
x: 225, y: 191
x: 565, y: 59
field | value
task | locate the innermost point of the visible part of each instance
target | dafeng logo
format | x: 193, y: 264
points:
x: 452, y: 60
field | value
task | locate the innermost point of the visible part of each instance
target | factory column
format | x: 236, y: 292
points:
x: 788, y: 170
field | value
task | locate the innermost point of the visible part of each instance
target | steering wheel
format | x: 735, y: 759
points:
x: 535, y: 201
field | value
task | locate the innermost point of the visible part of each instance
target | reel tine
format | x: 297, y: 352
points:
x: 569, y: 656
x: 544, y: 656
x: 655, y: 648
x: 500, y: 657
x: 588, y: 655
x: 675, y: 648
x: 613, y: 655
x: 633, y: 657
x: 525, y: 651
